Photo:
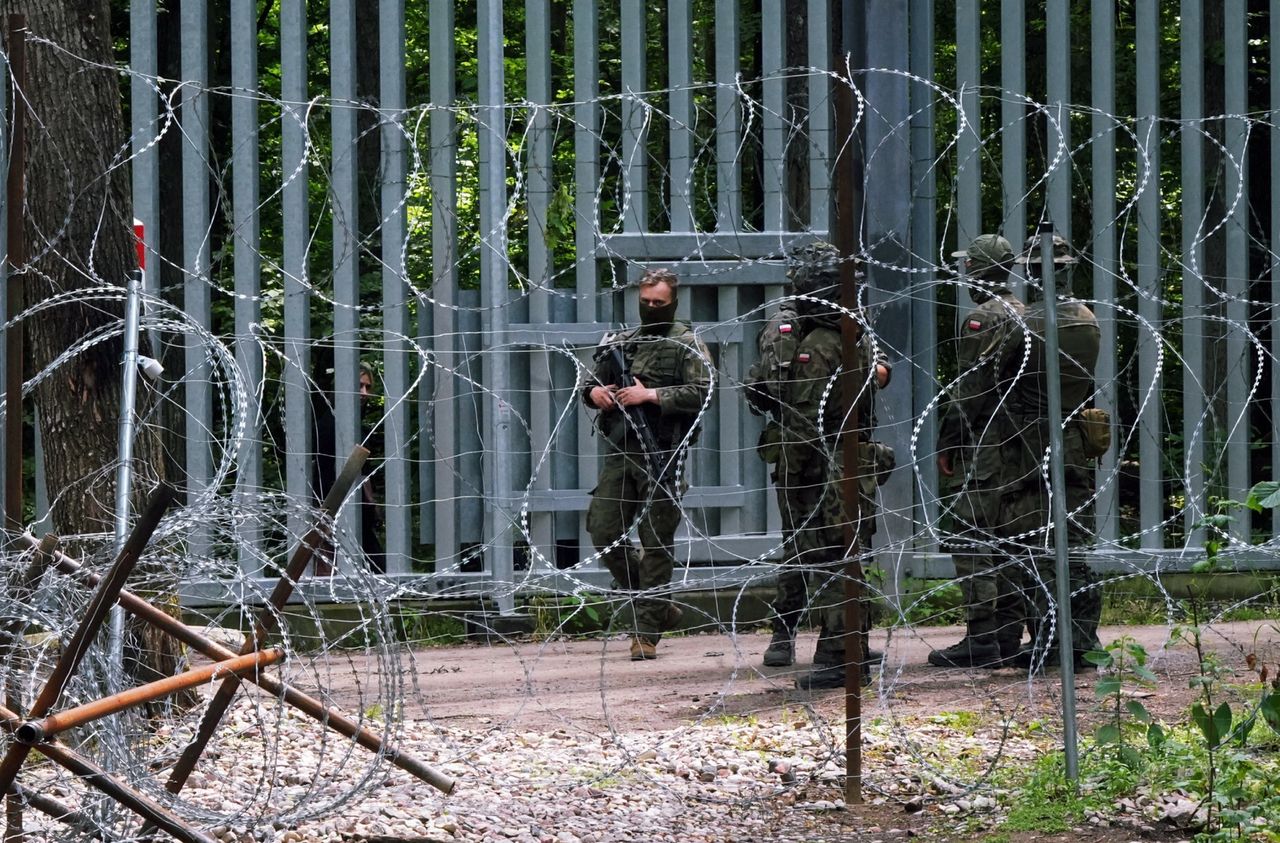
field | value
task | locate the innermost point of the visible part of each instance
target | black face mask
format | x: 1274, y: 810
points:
x: 657, y: 320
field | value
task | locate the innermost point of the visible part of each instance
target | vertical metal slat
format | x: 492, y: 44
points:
x: 635, y: 159
x: 728, y: 119
x: 344, y: 209
x: 441, y: 510
x: 969, y: 134
x: 248, y: 263
x: 1058, y: 84
x: 1150, y: 446
x: 496, y: 300
x: 1104, y: 254
x: 542, y: 407
x: 1239, y: 375
x: 586, y: 113
x: 1191, y: 59
x: 299, y: 441
x: 395, y: 289
x: 1013, y: 119
x: 924, y: 328
x: 195, y: 249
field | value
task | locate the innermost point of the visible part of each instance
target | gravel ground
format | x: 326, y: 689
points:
x: 747, y: 761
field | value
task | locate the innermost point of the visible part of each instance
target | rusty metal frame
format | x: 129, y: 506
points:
x: 38, y: 728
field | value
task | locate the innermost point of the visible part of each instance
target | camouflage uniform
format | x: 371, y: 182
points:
x: 1026, y: 513
x: 795, y: 383
x: 972, y: 433
x: 675, y: 362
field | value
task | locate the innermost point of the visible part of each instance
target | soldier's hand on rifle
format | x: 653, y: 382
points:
x: 602, y: 397
x: 636, y: 394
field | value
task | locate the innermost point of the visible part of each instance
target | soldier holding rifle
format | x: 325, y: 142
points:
x: 650, y: 385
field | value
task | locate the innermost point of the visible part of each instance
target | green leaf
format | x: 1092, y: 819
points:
x: 1264, y: 495
x: 1206, y: 725
x: 1218, y: 522
x: 1107, y: 733
x: 1130, y: 757
x: 1222, y: 721
x: 1138, y: 711
x: 1155, y: 735
x: 1204, y: 566
x: 1099, y: 658
x: 1270, y: 708
x: 1244, y: 728
x: 1144, y: 673
x: 1107, y: 687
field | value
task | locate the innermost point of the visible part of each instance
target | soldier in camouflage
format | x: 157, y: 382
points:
x: 672, y: 372
x: 794, y: 383
x: 1026, y: 513
x: 971, y: 437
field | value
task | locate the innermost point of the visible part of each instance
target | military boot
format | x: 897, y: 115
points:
x: 781, y: 651
x: 642, y: 649
x: 970, y: 651
x: 829, y: 676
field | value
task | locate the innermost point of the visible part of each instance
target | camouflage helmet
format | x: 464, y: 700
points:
x: 814, y: 270
x: 988, y: 254
x: 1062, y: 251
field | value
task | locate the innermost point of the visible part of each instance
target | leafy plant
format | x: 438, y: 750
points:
x: 572, y: 614
x: 1125, y: 664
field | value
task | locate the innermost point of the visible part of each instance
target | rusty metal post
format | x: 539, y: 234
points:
x: 267, y: 618
x: 305, y: 703
x: 848, y: 199
x: 16, y: 240
x: 34, y: 732
x: 94, y: 776
x: 78, y: 646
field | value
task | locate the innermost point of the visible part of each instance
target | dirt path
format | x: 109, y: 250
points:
x: 591, y: 685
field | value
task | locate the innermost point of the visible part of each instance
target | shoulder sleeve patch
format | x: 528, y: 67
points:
x: 975, y: 325
x: 803, y: 357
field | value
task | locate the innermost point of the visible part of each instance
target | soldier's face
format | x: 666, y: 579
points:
x: 656, y: 296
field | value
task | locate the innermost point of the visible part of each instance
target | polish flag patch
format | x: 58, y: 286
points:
x: 975, y: 325
x: 803, y: 358
x: 784, y: 328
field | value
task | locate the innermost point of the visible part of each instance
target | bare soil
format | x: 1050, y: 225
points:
x: 592, y: 684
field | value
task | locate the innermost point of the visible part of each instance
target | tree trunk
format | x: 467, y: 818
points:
x: 78, y: 221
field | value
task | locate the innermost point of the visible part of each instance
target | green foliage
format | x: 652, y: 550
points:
x: 931, y: 602
x: 1046, y: 802
x: 425, y: 628
x: 1123, y: 667
x: 573, y: 614
x: 1265, y: 495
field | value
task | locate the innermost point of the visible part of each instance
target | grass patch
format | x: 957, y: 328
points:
x: 1046, y: 802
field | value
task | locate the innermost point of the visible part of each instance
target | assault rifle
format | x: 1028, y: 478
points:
x: 635, y: 416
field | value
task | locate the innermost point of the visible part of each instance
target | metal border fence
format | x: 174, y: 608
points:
x: 729, y: 268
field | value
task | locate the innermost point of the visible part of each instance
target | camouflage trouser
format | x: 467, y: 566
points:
x: 989, y: 578
x: 814, y: 555
x: 624, y: 493
x: 1027, y: 522
x: 1042, y: 598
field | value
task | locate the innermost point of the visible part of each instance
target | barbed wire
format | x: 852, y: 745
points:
x: 255, y: 779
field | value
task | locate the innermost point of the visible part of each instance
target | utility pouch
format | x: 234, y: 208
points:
x: 879, y: 460
x: 1095, y: 431
x: 769, y: 446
